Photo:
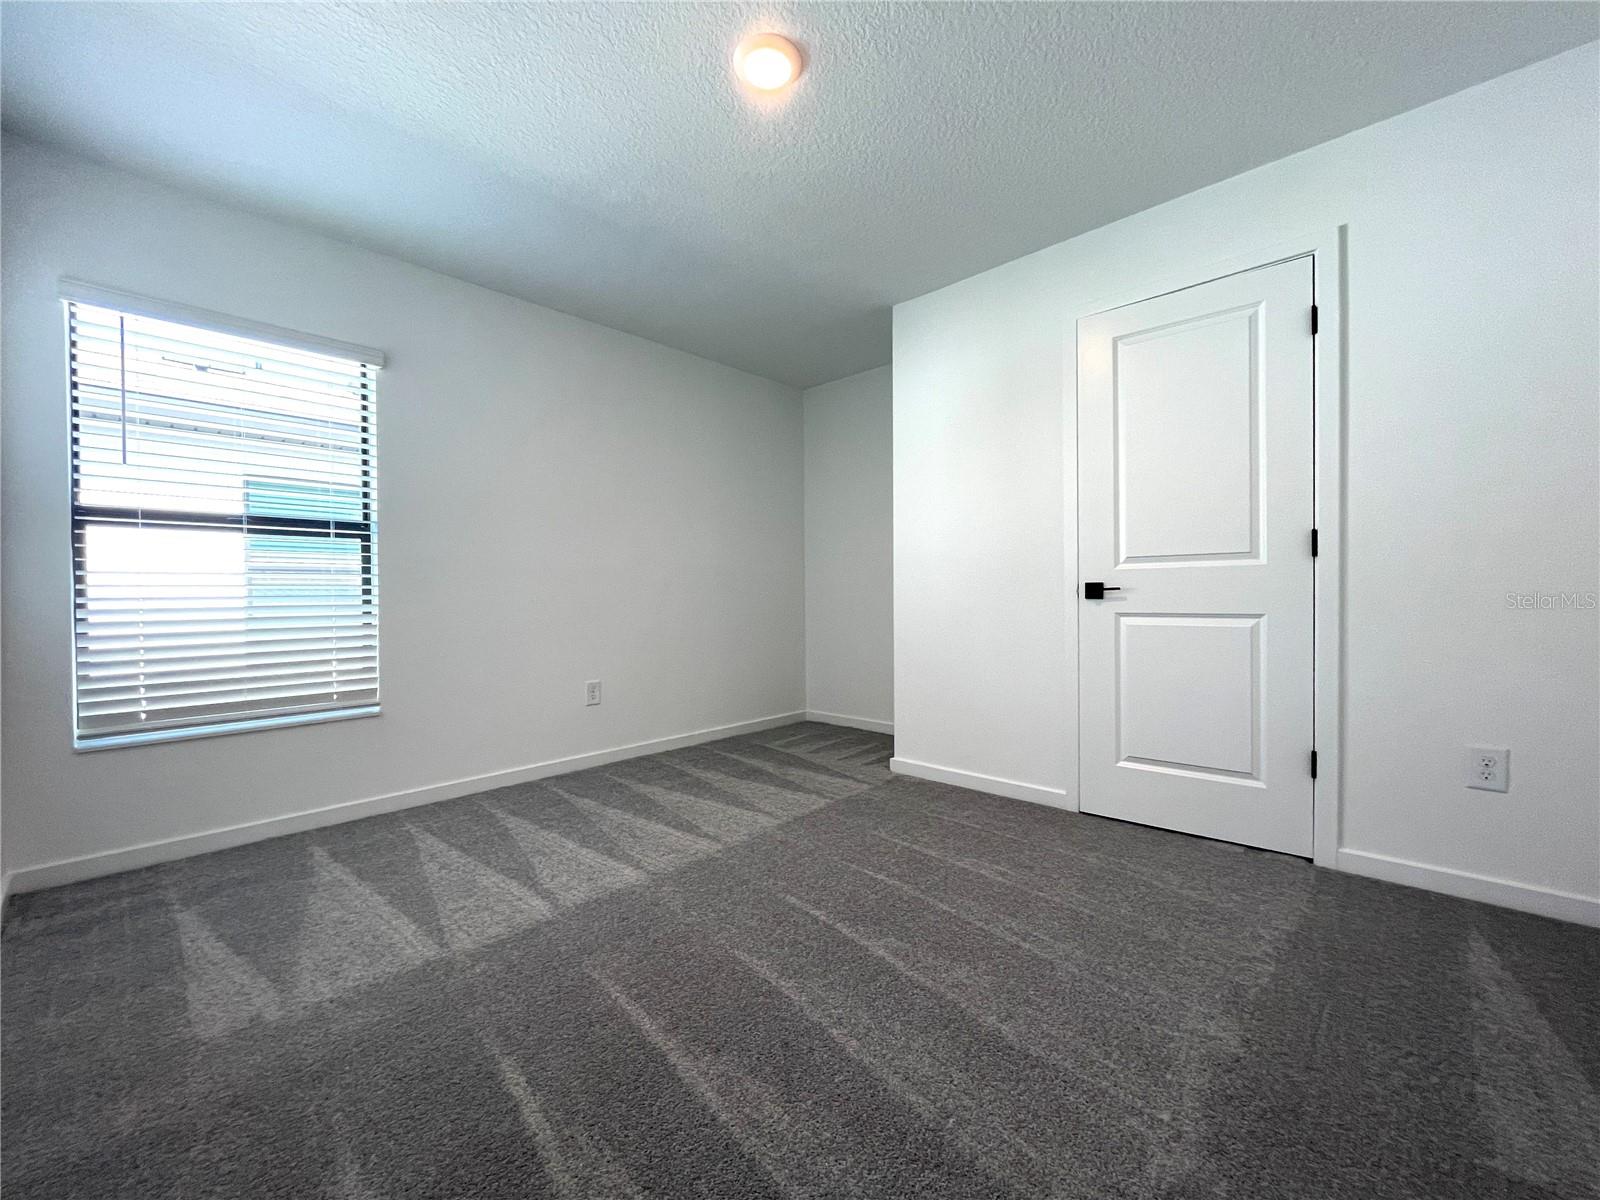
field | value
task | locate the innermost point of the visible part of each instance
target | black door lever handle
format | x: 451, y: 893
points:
x: 1095, y: 590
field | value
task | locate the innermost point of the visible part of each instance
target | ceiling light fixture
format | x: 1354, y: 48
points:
x: 767, y: 62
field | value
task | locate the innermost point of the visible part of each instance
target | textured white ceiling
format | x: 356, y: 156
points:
x: 598, y: 158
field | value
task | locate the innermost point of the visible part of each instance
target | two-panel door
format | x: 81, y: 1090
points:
x: 1196, y: 503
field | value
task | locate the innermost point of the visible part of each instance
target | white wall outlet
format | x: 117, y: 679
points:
x: 591, y: 692
x: 1489, y: 768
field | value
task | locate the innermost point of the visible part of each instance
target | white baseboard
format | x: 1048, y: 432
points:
x: 867, y: 723
x: 1544, y: 902
x: 1011, y: 788
x: 90, y: 866
x: 1563, y: 906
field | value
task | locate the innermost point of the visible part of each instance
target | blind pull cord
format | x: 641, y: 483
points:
x: 122, y: 379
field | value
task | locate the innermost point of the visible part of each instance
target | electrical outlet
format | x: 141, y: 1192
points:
x: 1489, y: 768
x: 591, y: 692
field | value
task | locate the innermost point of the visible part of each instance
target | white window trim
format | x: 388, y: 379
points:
x: 74, y: 291
x: 190, y: 732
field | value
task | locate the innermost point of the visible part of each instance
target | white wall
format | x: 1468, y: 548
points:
x: 1471, y: 472
x: 559, y: 502
x: 849, y: 544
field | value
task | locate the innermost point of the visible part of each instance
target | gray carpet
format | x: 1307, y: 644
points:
x: 766, y: 968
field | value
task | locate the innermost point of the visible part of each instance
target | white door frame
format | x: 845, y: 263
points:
x: 1326, y: 250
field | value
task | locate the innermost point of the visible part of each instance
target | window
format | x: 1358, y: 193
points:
x: 224, y: 541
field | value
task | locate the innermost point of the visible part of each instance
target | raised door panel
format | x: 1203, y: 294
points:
x: 1189, y: 694
x: 1186, y: 398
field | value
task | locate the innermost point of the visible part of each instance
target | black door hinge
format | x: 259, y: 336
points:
x: 1313, y: 542
x: 1313, y: 320
x: 1313, y: 764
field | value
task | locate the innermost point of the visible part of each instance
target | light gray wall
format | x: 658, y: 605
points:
x: 849, y: 544
x: 1471, y: 473
x: 558, y: 502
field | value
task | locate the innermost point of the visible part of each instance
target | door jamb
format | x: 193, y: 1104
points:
x: 1327, y: 250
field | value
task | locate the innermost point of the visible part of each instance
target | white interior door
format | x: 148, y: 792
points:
x: 1195, y: 512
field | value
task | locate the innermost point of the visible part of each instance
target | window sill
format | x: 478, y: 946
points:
x: 187, y: 733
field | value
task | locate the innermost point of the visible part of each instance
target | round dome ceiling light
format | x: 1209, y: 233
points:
x: 767, y: 62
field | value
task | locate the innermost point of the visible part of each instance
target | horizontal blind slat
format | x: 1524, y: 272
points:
x: 98, y: 659
x: 202, y: 670
x: 136, y: 699
x: 181, y: 364
x: 133, y: 643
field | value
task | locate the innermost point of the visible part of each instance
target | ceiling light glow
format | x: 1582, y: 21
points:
x: 767, y: 62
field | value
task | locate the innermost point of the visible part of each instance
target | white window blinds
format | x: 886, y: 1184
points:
x: 223, y: 530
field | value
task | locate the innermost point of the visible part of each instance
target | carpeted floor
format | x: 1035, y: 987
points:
x: 764, y: 967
